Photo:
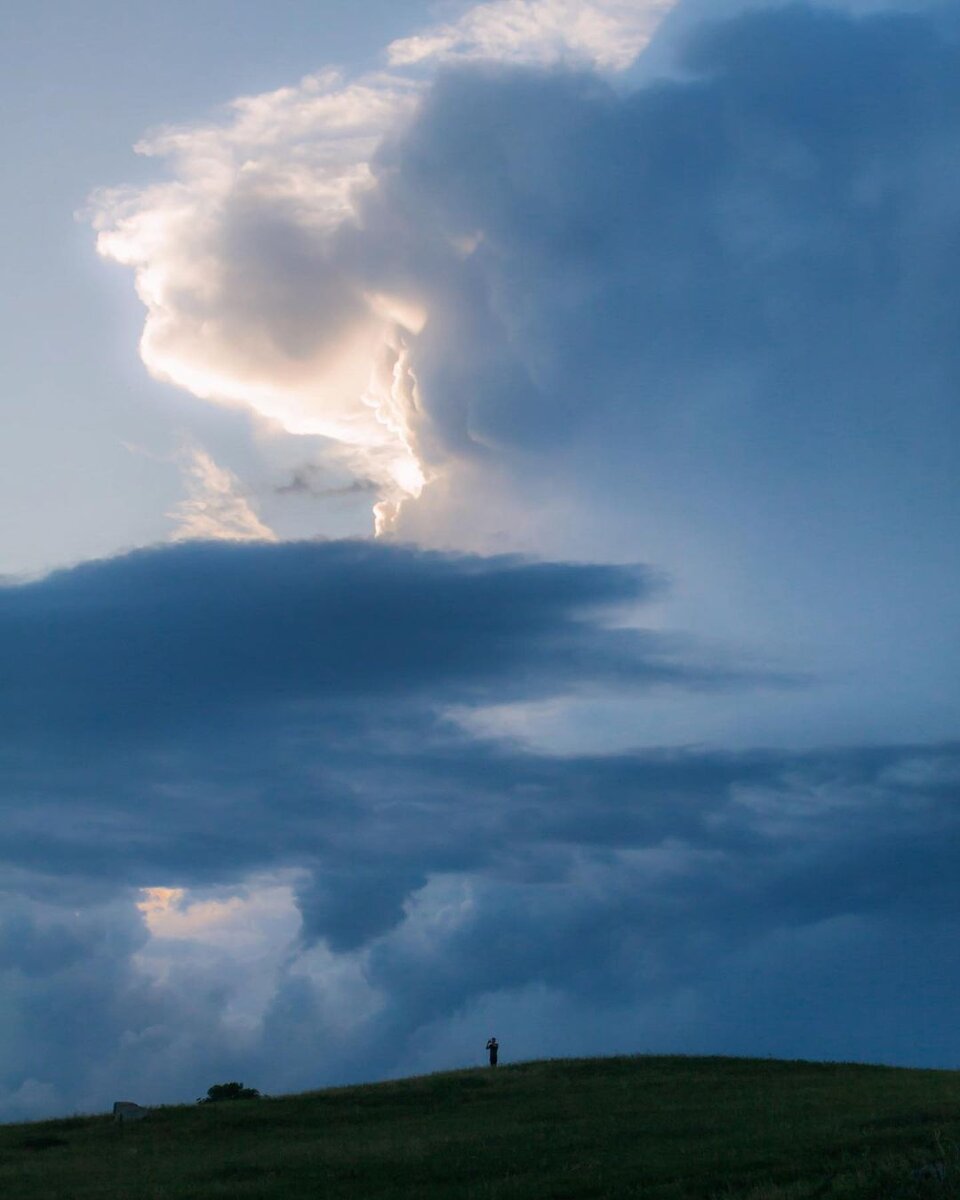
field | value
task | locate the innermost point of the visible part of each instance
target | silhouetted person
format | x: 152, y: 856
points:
x: 493, y: 1046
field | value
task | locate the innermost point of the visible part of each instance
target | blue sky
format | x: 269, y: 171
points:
x: 479, y: 538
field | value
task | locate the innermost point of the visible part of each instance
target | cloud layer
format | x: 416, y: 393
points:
x: 250, y: 826
x: 259, y: 734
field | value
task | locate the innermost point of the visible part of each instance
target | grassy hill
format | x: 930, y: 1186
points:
x: 649, y: 1127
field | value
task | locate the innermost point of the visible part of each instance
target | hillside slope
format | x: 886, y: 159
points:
x: 651, y: 1127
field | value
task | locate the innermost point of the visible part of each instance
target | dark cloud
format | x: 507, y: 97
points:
x: 181, y: 635
x: 730, y: 297
x: 715, y: 315
x: 309, y: 480
x: 447, y: 877
x: 170, y: 703
x: 326, y: 750
x: 790, y: 196
x: 366, y: 787
x: 441, y: 878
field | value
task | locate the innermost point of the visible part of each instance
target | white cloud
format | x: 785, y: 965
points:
x: 215, y: 506
x: 246, y: 935
x: 247, y: 259
x: 237, y: 266
x: 605, y: 34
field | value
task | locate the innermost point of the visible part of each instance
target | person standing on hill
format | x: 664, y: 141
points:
x: 493, y: 1046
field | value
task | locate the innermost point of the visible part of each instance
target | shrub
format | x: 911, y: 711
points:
x: 228, y: 1091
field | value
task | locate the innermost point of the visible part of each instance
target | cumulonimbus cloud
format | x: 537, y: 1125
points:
x: 256, y: 288
x: 436, y: 273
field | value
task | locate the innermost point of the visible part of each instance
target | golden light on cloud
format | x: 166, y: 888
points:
x: 157, y: 901
x: 169, y: 914
x: 236, y: 264
x: 246, y: 258
x: 215, y: 506
x: 245, y: 939
x: 255, y: 917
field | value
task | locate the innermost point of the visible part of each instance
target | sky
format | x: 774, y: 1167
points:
x: 478, y: 538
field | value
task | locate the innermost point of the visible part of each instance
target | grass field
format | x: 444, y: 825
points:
x: 633, y: 1127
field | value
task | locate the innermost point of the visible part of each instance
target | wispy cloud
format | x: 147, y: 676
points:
x: 606, y: 34
x: 215, y: 507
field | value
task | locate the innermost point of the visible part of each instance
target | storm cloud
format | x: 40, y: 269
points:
x: 532, y: 261
x: 242, y: 663
x: 181, y: 634
x: 706, y: 322
x: 276, y: 717
x: 274, y: 810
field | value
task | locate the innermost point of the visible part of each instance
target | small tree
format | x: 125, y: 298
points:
x: 228, y: 1091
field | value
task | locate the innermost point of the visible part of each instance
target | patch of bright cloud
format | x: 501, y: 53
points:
x: 237, y: 263
x: 215, y: 507
x: 157, y: 903
x: 246, y: 935
x: 232, y: 921
x: 250, y: 259
x: 605, y: 34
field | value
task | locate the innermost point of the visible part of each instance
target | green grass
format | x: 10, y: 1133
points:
x: 653, y: 1127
